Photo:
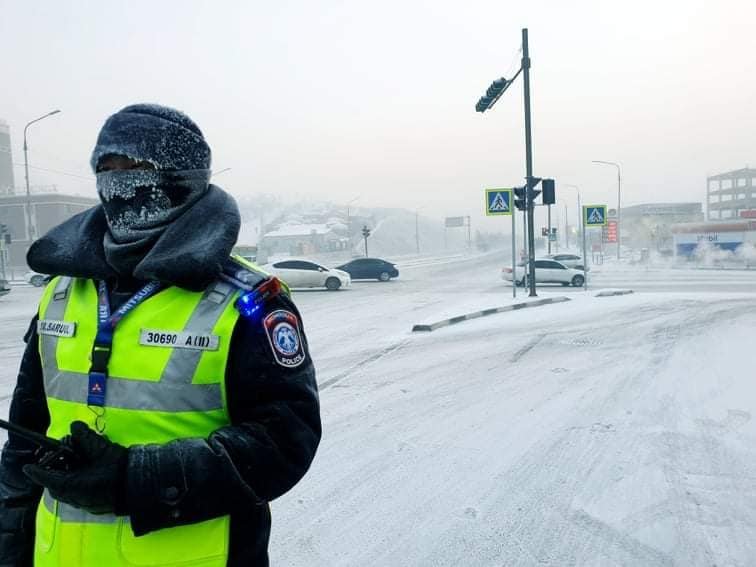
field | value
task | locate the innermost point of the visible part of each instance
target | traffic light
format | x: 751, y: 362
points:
x: 496, y: 88
x: 520, y: 201
x: 482, y: 104
x: 492, y: 95
x: 532, y: 182
x: 365, y: 231
x: 549, y: 198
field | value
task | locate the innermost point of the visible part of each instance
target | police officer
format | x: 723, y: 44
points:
x: 179, y: 375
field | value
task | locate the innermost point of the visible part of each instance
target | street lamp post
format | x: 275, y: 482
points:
x: 579, y: 212
x: 417, y: 228
x: 349, y: 223
x: 619, y: 199
x: 32, y: 231
x: 581, y: 224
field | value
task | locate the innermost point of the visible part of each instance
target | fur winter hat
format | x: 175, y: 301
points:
x: 162, y: 136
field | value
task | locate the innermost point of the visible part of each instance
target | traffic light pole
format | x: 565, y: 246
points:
x: 585, y: 256
x: 514, y: 254
x: 528, y: 163
x: 549, y: 225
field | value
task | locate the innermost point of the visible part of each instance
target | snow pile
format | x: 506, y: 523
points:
x: 747, y: 253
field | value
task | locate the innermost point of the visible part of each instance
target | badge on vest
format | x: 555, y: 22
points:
x: 56, y: 328
x: 282, y: 329
x: 169, y: 339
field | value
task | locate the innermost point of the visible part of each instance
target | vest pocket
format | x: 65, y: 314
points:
x: 204, y: 544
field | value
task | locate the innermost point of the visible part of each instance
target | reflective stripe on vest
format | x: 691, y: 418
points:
x: 155, y: 394
x: 173, y: 392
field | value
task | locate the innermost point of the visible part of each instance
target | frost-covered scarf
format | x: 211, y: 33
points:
x: 189, y: 253
x: 140, y: 205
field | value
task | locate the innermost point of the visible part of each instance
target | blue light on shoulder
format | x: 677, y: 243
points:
x: 248, y: 304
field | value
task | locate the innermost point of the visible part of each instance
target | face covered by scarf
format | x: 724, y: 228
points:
x: 140, y: 204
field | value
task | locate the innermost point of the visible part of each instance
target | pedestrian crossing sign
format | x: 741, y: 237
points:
x: 594, y: 215
x: 498, y: 202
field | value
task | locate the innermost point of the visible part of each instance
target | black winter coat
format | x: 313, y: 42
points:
x: 274, y: 433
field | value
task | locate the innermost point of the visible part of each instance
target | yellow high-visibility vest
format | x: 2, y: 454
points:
x: 166, y: 381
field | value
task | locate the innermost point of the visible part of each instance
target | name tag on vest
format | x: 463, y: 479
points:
x: 170, y: 339
x: 56, y: 328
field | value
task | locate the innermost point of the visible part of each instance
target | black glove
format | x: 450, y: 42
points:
x: 97, y: 481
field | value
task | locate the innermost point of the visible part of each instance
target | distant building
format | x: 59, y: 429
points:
x: 47, y: 210
x: 301, y: 240
x: 649, y: 225
x: 730, y: 194
x: 690, y: 238
x: 6, y: 161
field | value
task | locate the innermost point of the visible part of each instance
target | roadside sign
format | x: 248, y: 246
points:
x: 594, y: 215
x: 611, y: 231
x: 453, y: 222
x: 498, y: 202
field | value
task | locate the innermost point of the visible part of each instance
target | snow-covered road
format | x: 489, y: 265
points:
x: 601, y: 431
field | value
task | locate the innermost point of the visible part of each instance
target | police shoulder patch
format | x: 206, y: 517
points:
x: 282, y: 329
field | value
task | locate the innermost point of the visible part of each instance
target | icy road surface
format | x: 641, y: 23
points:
x: 601, y: 431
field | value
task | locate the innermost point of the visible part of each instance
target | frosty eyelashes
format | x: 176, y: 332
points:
x: 136, y: 200
x: 124, y: 183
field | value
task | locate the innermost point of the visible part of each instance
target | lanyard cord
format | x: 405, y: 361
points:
x: 103, y: 345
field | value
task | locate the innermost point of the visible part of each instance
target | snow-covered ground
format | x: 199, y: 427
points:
x: 600, y: 431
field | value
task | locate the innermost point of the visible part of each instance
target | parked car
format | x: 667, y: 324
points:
x: 546, y: 271
x: 36, y: 279
x: 569, y: 260
x: 4, y: 287
x: 370, y: 269
x: 303, y: 273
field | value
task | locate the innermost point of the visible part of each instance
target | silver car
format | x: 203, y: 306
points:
x: 546, y: 271
x: 569, y: 260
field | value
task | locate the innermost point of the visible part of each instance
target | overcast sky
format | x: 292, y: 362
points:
x: 337, y: 99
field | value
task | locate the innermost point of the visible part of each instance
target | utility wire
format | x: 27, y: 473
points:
x: 7, y: 150
x: 514, y: 64
x: 90, y: 178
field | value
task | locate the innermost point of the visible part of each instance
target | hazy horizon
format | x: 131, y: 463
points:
x: 338, y: 100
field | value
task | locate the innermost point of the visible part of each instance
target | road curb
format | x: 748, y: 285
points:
x: 612, y: 292
x: 486, y: 312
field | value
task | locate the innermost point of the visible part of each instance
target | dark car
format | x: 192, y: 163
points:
x: 370, y: 269
x: 4, y: 287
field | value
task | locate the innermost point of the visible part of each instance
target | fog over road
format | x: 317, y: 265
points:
x: 599, y: 431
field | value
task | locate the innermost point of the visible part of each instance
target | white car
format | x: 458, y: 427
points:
x: 303, y: 273
x: 569, y: 260
x: 546, y: 271
x: 36, y: 279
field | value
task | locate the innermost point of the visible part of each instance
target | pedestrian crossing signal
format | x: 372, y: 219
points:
x: 498, y: 202
x: 594, y: 215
